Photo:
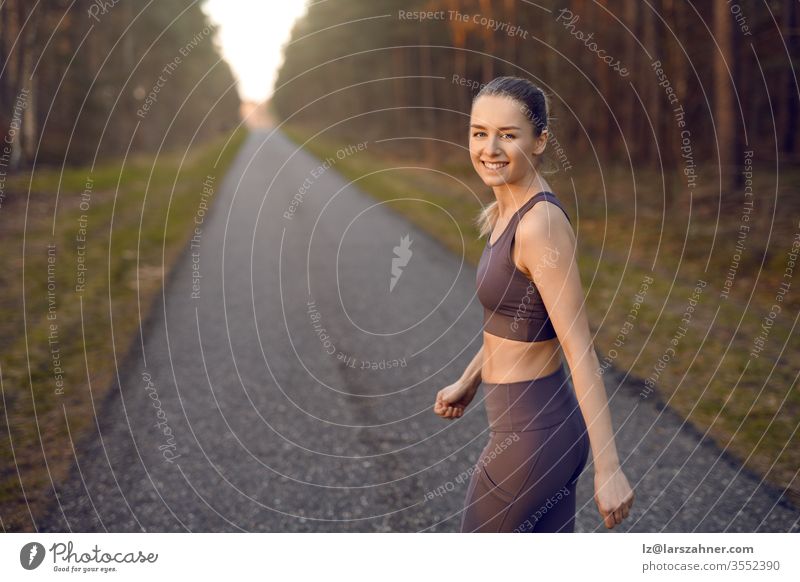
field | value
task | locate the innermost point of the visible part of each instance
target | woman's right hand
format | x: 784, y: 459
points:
x: 453, y: 399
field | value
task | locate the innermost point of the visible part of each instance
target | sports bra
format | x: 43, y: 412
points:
x: 512, y: 305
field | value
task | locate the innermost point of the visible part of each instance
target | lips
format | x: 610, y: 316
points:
x: 494, y: 165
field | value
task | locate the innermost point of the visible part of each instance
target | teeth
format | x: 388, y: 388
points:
x: 495, y: 165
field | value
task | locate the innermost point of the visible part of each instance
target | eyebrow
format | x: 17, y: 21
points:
x: 506, y: 127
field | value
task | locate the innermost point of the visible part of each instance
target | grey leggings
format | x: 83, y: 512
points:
x: 525, y: 478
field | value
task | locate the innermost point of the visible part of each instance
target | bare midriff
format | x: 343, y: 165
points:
x: 506, y: 360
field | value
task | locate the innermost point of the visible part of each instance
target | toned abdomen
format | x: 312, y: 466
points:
x: 506, y: 360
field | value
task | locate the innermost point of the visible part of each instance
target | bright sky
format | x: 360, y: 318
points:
x: 251, y: 35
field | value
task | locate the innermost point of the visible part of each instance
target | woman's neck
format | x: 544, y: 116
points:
x: 510, y: 197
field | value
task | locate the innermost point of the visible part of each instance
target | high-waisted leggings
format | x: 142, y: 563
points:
x: 525, y: 478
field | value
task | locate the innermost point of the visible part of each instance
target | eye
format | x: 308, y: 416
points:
x: 480, y: 133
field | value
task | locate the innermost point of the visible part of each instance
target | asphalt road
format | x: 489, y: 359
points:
x: 236, y: 413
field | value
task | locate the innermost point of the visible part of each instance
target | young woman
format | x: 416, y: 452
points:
x: 528, y: 283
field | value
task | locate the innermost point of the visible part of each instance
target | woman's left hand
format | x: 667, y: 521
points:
x: 613, y: 496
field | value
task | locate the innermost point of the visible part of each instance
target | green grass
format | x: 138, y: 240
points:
x: 141, y: 211
x: 754, y: 417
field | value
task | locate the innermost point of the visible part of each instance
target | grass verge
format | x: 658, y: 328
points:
x: 88, y: 250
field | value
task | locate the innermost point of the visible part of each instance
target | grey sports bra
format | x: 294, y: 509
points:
x: 512, y: 305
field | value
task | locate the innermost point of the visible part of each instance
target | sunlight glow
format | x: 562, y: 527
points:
x: 252, y: 34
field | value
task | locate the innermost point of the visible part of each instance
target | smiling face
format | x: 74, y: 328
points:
x: 502, y: 144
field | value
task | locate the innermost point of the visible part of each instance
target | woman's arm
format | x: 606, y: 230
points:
x: 471, y: 378
x: 453, y: 399
x: 547, y: 248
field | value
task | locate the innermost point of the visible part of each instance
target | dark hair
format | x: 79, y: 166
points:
x: 535, y: 104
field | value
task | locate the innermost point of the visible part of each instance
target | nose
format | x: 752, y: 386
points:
x: 492, y: 146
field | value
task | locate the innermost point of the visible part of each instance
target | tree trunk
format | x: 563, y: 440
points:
x: 511, y: 42
x: 652, y: 96
x: 458, y: 32
x: 666, y: 125
x: 630, y: 123
x: 425, y: 68
x: 789, y: 103
x: 723, y: 98
x: 488, y: 43
x: 399, y: 86
x: 597, y: 16
x: 18, y: 80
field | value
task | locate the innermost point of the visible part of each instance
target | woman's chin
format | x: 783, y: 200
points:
x: 493, y: 180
